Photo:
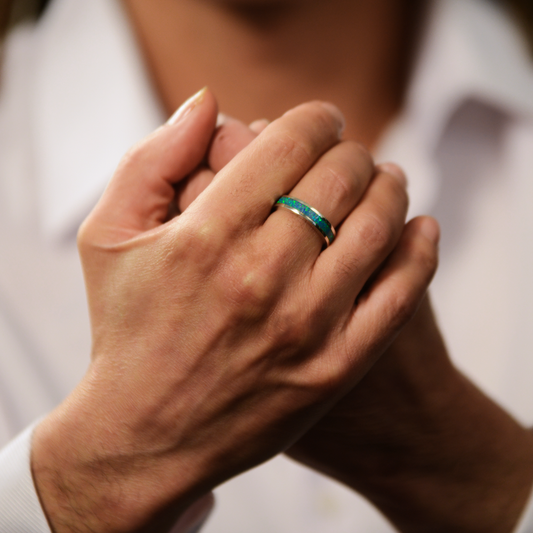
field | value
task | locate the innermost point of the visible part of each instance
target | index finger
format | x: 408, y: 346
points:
x: 244, y: 192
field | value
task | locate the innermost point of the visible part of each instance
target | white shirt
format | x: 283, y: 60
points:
x: 75, y: 96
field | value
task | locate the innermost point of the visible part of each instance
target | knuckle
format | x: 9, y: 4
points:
x: 208, y: 238
x: 362, y: 156
x: 347, y: 170
x: 289, y: 330
x: 425, y: 257
x: 250, y: 291
x: 402, y: 304
x: 376, y: 233
x: 186, y: 242
x: 346, y: 268
x: 133, y: 158
x: 340, y: 181
x: 286, y: 146
x: 327, y: 371
x: 322, y: 117
x: 200, y: 246
x: 399, y: 192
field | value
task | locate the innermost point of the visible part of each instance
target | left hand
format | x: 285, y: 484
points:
x: 422, y: 443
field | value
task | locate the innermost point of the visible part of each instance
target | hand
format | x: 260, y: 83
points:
x: 424, y: 444
x: 222, y: 335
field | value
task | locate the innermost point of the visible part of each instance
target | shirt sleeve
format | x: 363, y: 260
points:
x: 20, y: 508
x: 526, y: 522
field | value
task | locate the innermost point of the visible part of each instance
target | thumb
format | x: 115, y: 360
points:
x: 138, y: 196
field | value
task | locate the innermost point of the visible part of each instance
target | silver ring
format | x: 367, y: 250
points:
x: 310, y: 215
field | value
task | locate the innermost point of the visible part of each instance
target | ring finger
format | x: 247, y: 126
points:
x: 333, y: 187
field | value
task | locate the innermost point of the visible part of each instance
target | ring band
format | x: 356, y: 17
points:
x: 310, y: 215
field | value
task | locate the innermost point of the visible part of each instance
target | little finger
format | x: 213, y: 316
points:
x: 394, y: 296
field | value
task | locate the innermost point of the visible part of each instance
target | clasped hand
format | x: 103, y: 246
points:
x: 222, y: 335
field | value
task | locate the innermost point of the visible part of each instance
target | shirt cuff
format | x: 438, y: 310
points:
x: 20, y: 509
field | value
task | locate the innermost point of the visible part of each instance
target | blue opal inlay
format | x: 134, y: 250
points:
x: 321, y: 223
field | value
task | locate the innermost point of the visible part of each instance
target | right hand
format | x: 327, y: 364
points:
x: 221, y: 336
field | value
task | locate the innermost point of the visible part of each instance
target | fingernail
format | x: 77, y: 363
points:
x: 430, y: 229
x: 221, y: 119
x: 187, y: 107
x: 258, y: 126
x: 394, y: 170
x: 339, y: 117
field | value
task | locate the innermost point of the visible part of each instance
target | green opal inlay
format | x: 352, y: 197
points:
x: 317, y: 220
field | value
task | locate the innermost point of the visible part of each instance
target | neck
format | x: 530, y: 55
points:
x: 262, y: 58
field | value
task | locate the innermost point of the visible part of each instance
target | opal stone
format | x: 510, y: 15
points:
x: 321, y: 223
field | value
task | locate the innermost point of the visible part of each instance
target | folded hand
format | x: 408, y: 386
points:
x: 222, y: 335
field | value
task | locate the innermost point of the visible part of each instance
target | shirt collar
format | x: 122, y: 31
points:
x: 470, y: 50
x: 92, y: 101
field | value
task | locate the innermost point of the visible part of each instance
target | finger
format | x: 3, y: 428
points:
x: 138, y: 197
x: 364, y: 240
x: 229, y: 139
x: 393, y: 298
x: 257, y: 126
x: 193, y: 186
x: 333, y: 187
x: 244, y: 192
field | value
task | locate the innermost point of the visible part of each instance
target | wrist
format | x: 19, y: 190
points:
x: 89, y: 476
x: 464, y: 465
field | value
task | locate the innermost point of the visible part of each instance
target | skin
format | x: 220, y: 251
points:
x: 226, y: 315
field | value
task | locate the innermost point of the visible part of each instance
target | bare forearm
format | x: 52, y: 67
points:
x: 421, y: 442
x: 471, y: 471
x: 466, y: 467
